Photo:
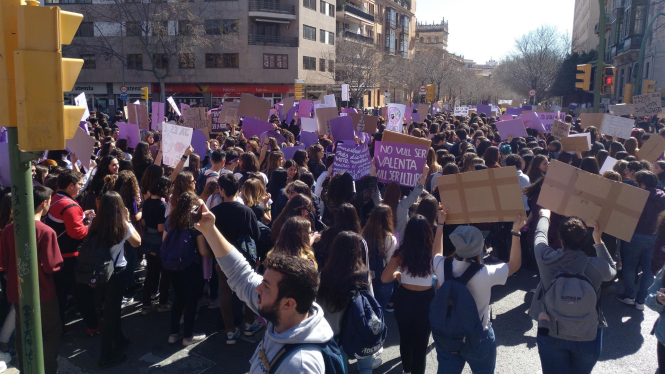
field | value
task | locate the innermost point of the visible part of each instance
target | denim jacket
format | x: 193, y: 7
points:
x: 654, y: 305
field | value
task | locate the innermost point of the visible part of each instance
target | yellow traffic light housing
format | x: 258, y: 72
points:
x: 43, y: 75
x: 8, y: 44
x: 583, y: 77
x: 429, y: 93
x: 648, y: 86
x: 145, y: 95
x: 628, y: 93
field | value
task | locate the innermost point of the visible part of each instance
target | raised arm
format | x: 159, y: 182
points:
x: 437, y: 247
x: 515, y: 260
x: 181, y: 163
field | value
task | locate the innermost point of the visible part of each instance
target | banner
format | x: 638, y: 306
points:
x: 395, y: 119
x: 647, y: 105
x: 400, y: 163
x: 175, y: 139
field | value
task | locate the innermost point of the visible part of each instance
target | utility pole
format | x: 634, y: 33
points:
x: 600, y: 65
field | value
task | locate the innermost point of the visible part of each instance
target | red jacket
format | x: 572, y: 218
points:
x: 65, y: 217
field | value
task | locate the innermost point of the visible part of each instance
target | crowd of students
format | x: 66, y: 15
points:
x: 302, y: 247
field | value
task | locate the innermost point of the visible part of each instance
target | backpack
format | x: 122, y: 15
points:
x: 453, y: 314
x: 572, y: 304
x: 376, y: 262
x: 363, y: 328
x: 332, y: 356
x: 95, y: 264
x: 178, y: 250
x: 201, y: 181
x: 264, y: 245
x: 247, y: 246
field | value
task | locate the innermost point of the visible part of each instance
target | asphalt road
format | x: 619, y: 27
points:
x: 627, y: 345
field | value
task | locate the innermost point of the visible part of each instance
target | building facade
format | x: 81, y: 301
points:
x: 432, y: 36
x: 249, y: 46
x: 585, y: 25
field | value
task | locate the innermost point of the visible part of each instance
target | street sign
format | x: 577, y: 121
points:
x: 124, y: 89
x: 423, y: 89
x: 532, y: 93
x: 123, y: 96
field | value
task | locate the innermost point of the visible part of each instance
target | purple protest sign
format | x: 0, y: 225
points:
x: 291, y: 114
x: 400, y: 163
x: 342, y: 128
x: 514, y: 128
x: 548, y: 118
x: 130, y: 132
x: 482, y: 108
x: 309, y: 138
x: 305, y: 109
x: 290, y: 151
x: 184, y: 106
x: 199, y: 143
x: 408, y: 112
x: 253, y: 126
x: 364, y: 137
x: 349, y: 110
x: 353, y: 159
x: 506, y: 117
x: 157, y: 115
x: 3, y: 135
x: 415, y: 117
x: 5, y: 178
x: 84, y: 125
x: 272, y: 134
x: 514, y: 111
x: 532, y: 121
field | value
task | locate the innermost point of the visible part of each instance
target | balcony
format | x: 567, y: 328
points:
x: 357, y: 37
x: 357, y: 11
x: 271, y: 9
x: 630, y: 43
x: 273, y: 41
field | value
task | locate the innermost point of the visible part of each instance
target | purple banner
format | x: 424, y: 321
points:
x: 514, y: 111
x: 342, y: 128
x: 309, y: 138
x: 353, y: 159
x: 290, y: 151
x: 253, y: 126
x: 400, y: 163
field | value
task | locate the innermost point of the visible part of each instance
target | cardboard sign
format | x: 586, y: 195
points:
x: 652, y: 148
x: 422, y: 110
x: 290, y: 151
x: 254, y: 107
x: 329, y: 100
x: 532, y: 121
x: 393, y: 137
x: 272, y: 134
x: 400, y: 163
x: 194, y: 118
x: 622, y: 109
x: 81, y: 145
x: 608, y: 164
x: 309, y: 124
x: 342, y: 128
x: 323, y: 117
x: 82, y: 102
x: 461, y: 111
x: 560, y: 129
x: 251, y: 127
x: 616, y: 126
x: 575, y: 142
x: 199, y: 141
x: 353, y: 159
x: 287, y: 105
x: 138, y: 115
x: 216, y: 124
x: 364, y: 123
x: 309, y: 138
x: 647, y: 104
x: 514, y: 128
x: 175, y: 139
x: 157, y: 116
x: 130, y: 132
x: 305, y: 109
x: 395, y: 120
x: 614, y: 205
x: 229, y: 114
x: 492, y: 195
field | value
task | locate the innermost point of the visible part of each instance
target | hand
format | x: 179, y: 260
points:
x: 597, y: 233
x: 510, y: 138
x: 208, y: 145
x: 423, y: 178
x: 398, y: 276
x: 660, y: 296
x: 93, y: 164
x: 266, y: 199
x: 90, y: 214
x: 372, y: 169
x: 73, y: 158
x: 519, y: 223
x: 545, y: 213
x: 189, y: 151
x: 207, y: 223
x: 314, y: 237
x: 442, y: 215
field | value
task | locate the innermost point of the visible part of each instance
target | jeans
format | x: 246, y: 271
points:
x: 65, y: 281
x: 638, y: 253
x: 558, y: 356
x: 156, y: 277
x: 364, y: 365
x: 187, y: 285
x: 112, y: 336
x: 382, y: 292
x: 51, y: 336
x: 412, y: 315
x: 482, y: 360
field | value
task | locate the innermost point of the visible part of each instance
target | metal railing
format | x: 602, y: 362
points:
x: 271, y: 40
x: 358, y: 37
x: 360, y: 12
x: 271, y: 7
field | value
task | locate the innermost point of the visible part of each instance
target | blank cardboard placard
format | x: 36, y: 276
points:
x: 616, y: 206
x: 138, y: 115
x: 591, y: 119
x: 309, y: 124
x: 81, y: 145
x: 423, y: 109
x: 616, y: 126
x: 573, y: 143
x: 394, y: 137
x: 364, y: 123
x: 492, y: 195
x: 229, y: 114
x: 254, y: 107
x: 323, y: 117
x: 652, y: 148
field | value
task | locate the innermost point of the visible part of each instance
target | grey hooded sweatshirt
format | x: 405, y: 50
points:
x: 551, y: 261
x: 314, y: 329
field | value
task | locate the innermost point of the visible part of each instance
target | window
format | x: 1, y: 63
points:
x: 308, y: 63
x: 331, y: 38
x: 230, y: 60
x: 271, y: 61
x: 322, y: 35
x: 87, y: 29
x: 160, y: 28
x: 323, y: 7
x: 213, y: 27
x: 311, y: 4
x: 187, y: 60
x: 161, y: 60
x: 309, y: 32
x: 331, y: 66
x: 331, y: 10
x: 185, y: 27
x: 135, y: 61
x: 213, y: 60
x: 133, y: 28
x: 230, y: 26
x: 88, y: 61
x: 322, y: 65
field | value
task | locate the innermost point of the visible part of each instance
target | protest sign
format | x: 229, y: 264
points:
x: 309, y: 124
x: 353, y: 159
x: 461, y: 111
x: 290, y: 151
x: 560, y: 129
x: 652, y: 148
x: 309, y: 138
x: 492, y: 195
x: 287, y: 105
x: 345, y: 92
x: 647, y: 104
x: 576, y: 142
x: 514, y: 111
x: 608, y: 164
x: 199, y: 141
x: 138, y: 115
x: 175, y: 107
x: 318, y: 102
x: 215, y: 122
x: 616, y: 126
x: 5, y: 176
x: 408, y: 113
x: 175, y: 139
x: 422, y: 110
x: 616, y: 206
x: 487, y: 109
x: 591, y: 119
x: 364, y: 123
x: 532, y: 121
x: 229, y: 114
x: 415, y: 117
x: 394, y: 137
x: 305, y: 109
x: 395, y: 113
x: 254, y: 107
x: 291, y: 114
x: 252, y: 126
x: 82, y: 146
x: 323, y: 117
x: 194, y: 118
x: 272, y: 134
x: 342, y: 128
x: 548, y: 118
x: 157, y: 116
x: 130, y: 132
x: 82, y: 102
x: 514, y: 128
x: 400, y: 163
x: 329, y: 100
x: 349, y: 110
x: 506, y: 117
x: 622, y: 109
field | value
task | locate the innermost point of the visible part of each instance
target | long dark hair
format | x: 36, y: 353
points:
x: 415, y: 253
x: 183, y: 183
x: 379, y: 225
x: 97, y: 182
x: 179, y: 216
x: 128, y: 188
x: 277, y: 181
x: 294, y: 239
x: 340, y: 190
x: 534, y: 171
x: 194, y: 165
x: 344, y: 271
x: 151, y: 174
x: 292, y: 208
x: 141, y: 159
x: 109, y: 225
x: 392, y: 197
x: 346, y: 219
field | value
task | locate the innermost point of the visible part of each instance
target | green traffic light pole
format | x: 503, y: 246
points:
x: 598, y: 79
x: 26, y: 255
x: 637, y: 90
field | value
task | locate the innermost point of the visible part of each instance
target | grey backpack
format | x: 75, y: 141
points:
x: 572, y: 304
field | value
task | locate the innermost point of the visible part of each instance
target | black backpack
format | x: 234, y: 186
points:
x: 332, y: 356
x: 95, y: 263
x: 201, y: 181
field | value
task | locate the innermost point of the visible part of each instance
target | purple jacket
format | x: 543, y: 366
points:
x: 654, y: 206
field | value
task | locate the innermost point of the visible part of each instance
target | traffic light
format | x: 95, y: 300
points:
x: 608, y: 80
x: 628, y: 93
x: 145, y: 95
x: 429, y: 93
x: 8, y: 44
x: 43, y: 75
x: 583, y: 77
x: 648, y: 86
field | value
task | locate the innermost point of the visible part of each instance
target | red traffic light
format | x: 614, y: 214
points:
x: 609, y: 81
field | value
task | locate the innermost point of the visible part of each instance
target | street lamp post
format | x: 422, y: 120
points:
x: 598, y: 81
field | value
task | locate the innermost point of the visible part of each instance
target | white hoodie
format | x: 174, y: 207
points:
x: 315, y: 329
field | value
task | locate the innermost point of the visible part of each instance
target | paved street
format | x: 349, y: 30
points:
x: 627, y: 345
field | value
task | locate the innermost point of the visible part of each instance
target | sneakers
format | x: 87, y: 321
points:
x: 173, y: 338
x: 377, y: 362
x: 390, y: 308
x: 193, y: 340
x: 147, y: 309
x: 627, y: 300
x: 253, y: 328
x: 126, y: 301
x: 213, y: 304
x: 164, y: 307
x: 639, y: 306
x: 232, y: 337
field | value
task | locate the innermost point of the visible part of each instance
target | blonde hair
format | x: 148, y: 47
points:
x: 253, y: 191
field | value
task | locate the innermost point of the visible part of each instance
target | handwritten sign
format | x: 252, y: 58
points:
x: 364, y: 123
x: 548, y: 118
x: 229, y: 113
x: 652, y: 148
x: 194, y: 118
x: 352, y: 159
x: 616, y: 126
x: 461, y: 111
x: 400, y: 163
x: 560, y: 129
x: 622, y: 109
x: 395, y: 119
x: 647, y: 104
x: 175, y: 139
x: 215, y: 124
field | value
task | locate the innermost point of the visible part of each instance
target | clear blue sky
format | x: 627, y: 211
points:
x: 484, y: 29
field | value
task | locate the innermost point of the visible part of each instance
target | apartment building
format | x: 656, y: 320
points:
x: 432, y: 36
x: 259, y: 47
x: 585, y: 23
